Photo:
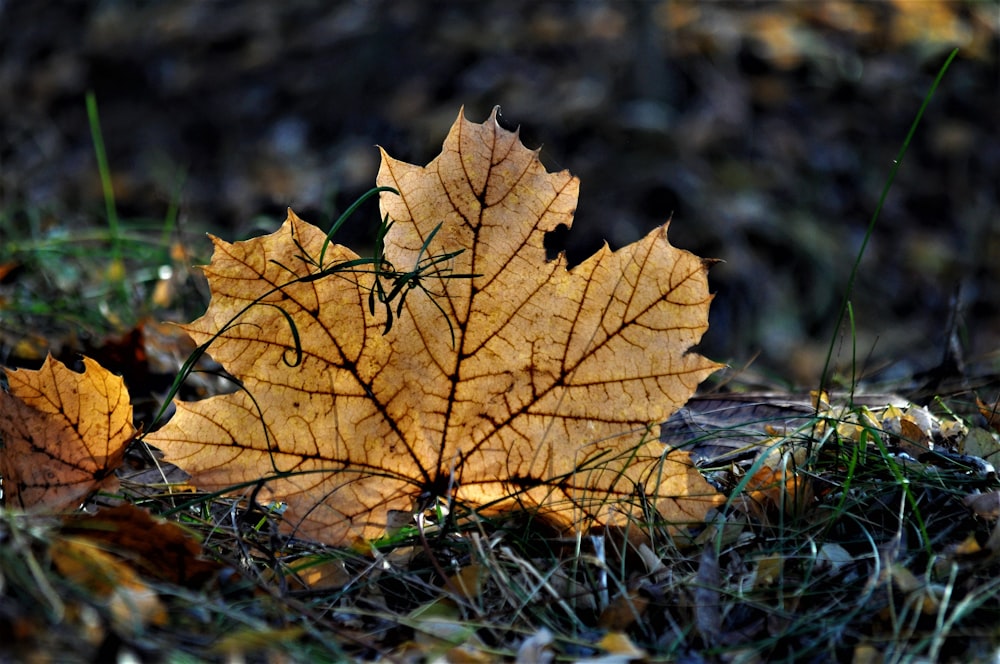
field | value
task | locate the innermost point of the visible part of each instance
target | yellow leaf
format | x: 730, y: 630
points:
x: 468, y: 581
x: 244, y: 640
x: 63, y: 434
x: 618, y: 643
x: 773, y: 491
x: 768, y: 570
x: 548, y: 394
x: 320, y: 572
x: 131, y: 603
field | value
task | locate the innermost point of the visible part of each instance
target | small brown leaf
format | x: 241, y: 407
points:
x: 158, y: 549
x: 981, y: 443
x: 63, y: 434
x: 468, y: 581
x: 985, y: 505
x: 620, y: 649
x: 622, y: 612
x: 913, y: 439
x: 771, y: 491
x: 991, y: 413
x: 7, y: 268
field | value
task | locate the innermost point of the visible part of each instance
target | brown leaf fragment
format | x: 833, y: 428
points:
x: 468, y: 581
x: 912, y: 438
x: 991, y: 413
x: 63, y: 434
x: 774, y: 491
x: 158, y: 549
x: 545, y: 397
x: 981, y: 443
x: 7, y: 268
x: 985, y: 505
x: 620, y: 649
x: 131, y: 603
x: 622, y: 612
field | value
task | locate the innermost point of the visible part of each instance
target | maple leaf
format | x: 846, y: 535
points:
x: 63, y: 434
x: 545, y: 393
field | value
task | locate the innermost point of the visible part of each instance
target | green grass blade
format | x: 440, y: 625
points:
x: 105, y: 173
x: 896, y: 163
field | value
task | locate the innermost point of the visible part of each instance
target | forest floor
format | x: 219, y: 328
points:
x: 766, y: 133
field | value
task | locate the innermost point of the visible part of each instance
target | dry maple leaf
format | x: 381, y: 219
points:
x: 63, y: 434
x: 545, y: 393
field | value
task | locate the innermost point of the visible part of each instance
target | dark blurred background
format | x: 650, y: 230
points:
x: 767, y: 130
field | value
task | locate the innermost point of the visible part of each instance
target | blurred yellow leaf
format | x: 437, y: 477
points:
x: 618, y: 643
x: 130, y: 601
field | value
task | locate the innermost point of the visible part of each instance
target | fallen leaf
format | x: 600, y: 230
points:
x: 316, y: 572
x: 918, y: 591
x: 622, y: 612
x: 619, y: 648
x: 781, y: 490
x: 8, y: 268
x: 468, y: 581
x: 991, y: 413
x: 132, y: 604
x: 439, y: 626
x: 769, y: 569
x: 529, y: 385
x: 985, y: 505
x: 158, y: 549
x: 63, y: 434
x: 833, y: 555
x: 31, y: 346
x: 242, y: 641
x: 865, y: 653
x: 981, y: 443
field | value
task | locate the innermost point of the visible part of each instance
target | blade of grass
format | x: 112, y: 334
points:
x: 173, y: 210
x: 896, y: 163
x: 117, y: 269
